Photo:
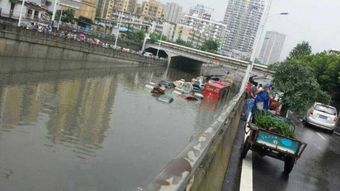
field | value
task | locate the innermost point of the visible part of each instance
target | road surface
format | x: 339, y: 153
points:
x: 318, y: 169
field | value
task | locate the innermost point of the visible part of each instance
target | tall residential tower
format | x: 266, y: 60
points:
x: 272, y: 47
x: 173, y: 12
x: 242, y: 19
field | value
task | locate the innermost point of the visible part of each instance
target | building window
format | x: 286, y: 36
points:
x: 36, y: 14
x: 29, y: 13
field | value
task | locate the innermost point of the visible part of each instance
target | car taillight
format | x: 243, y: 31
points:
x: 311, y: 111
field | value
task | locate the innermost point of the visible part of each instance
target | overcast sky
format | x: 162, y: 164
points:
x: 315, y: 21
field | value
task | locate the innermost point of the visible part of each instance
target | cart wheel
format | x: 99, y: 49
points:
x: 289, y: 164
x: 246, y: 147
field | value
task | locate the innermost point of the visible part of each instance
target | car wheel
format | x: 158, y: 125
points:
x: 304, y: 121
x: 331, y: 131
x: 289, y: 164
x: 245, y: 149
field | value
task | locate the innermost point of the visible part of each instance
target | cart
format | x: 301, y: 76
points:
x: 267, y: 143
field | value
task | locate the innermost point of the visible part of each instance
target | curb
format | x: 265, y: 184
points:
x: 232, y: 176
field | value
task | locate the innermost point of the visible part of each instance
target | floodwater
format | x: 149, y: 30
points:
x: 92, y: 130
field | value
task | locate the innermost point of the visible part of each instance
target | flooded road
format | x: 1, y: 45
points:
x: 92, y: 130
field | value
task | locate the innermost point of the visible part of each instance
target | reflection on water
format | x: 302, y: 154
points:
x: 91, y: 130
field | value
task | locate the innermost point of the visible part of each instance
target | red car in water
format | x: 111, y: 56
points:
x: 216, y: 89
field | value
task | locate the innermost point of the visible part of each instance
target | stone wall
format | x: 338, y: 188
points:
x: 22, y: 43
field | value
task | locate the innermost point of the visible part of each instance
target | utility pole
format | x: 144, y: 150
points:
x: 254, y: 51
x: 159, y: 44
x: 61, y: 14
x: 118, y: 27
x: 54, y: 9
x: 20, y: 15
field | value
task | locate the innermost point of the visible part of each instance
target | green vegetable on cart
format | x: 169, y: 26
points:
x: 274, y: 124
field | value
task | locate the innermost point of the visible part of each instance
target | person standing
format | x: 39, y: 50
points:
x: 250, y: 101
x: 262, y: 99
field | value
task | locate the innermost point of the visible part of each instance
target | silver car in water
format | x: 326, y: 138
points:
x: 322, y: 116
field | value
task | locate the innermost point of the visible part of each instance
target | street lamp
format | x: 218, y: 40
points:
x: 255, y: 46
x: 263, y: 39
x: 159, y: 44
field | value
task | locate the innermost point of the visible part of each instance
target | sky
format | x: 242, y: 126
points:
x: 315, y: 21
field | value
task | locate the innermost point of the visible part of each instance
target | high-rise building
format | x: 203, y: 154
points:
x: 87, y: 10
x: 104, y: 9
x: 132, y: 6
x: 152, y: 9
x: 173, y: 12
x: 68, y: 4
x: 201, y: 11
x: 195, y: 31
x: 272, y: 47
x: 121, y: 5
x: 242, y: 19
x: 138, y: 9
x: 166, y: 29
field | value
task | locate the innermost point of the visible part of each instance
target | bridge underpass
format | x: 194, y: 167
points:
x: 194, y: 56
x: 177, y: 61
x: 213, y: 67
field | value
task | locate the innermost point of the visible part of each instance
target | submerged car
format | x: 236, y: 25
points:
x: 167, y: 84
x: 322, y: 116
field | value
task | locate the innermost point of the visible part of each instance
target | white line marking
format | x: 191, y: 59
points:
x: 246, y: 183
x: 322, y: 137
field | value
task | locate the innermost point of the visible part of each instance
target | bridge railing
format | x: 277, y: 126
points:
x: 215, y: 57
x: 204, y: 161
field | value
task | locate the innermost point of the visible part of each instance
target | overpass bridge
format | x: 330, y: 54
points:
x: 182, y: 56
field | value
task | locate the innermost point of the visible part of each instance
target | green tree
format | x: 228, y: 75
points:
x: 326, y: 69
x: 296, y: 80
x: 210, y: 46
x: 136, y: 37
x: 179, y: 41
x: 257, y: 61
x: 67, y: 15
x: 156, y: 36
x: 302, y: 49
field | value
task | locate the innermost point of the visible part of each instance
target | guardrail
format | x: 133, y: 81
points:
x: 203, y: 162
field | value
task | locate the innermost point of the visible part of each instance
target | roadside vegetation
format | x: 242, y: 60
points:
x: 305, y: 78
x: 210, y: 46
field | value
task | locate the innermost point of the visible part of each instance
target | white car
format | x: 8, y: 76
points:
x: 148, y: 54
x: 322, y: 116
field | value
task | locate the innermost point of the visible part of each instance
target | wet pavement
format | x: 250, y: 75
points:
x: 337, y: 130
x: 318, y: 169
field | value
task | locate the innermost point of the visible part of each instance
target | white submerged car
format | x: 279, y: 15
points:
x: 322, y: 116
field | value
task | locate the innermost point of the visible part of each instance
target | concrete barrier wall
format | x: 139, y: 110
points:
x: 201, y: 166
x: 22, y: 43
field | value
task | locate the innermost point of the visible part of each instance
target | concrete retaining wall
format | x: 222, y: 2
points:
x: 22, y: 43
x: 201, y: 166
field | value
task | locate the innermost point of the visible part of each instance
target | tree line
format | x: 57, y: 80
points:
x: 305, y: 78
